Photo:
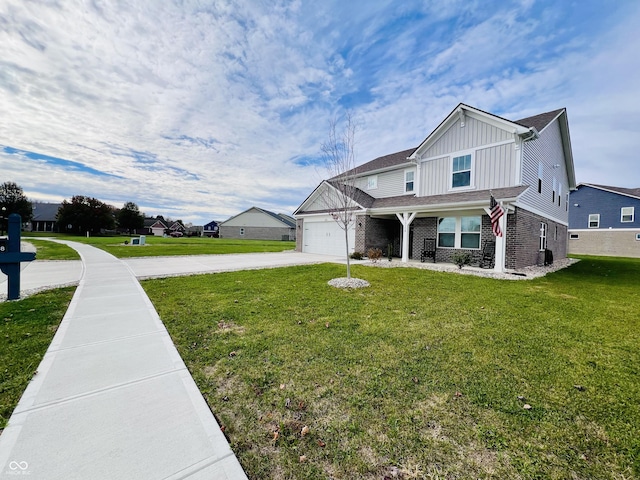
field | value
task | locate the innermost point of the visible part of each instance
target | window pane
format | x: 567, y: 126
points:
x: 409, y: 177
x: 446, y: 239
x: 447, y: 224
x: 471, y: 224
x: 462, y: 163
x: 462, y: 179
x: 470, y: 240
x: 409, y: 187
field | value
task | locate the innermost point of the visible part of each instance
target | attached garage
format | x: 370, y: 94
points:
x: 322, y: 235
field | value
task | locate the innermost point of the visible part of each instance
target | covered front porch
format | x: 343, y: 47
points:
x: 451, y: 232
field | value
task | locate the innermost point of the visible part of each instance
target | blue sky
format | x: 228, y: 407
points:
x: 200, y: 109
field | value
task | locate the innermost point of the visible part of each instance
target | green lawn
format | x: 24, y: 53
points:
x: 160, y: 246
x: 26, y: 330
x: 46, y: 250
x: 422, y: 375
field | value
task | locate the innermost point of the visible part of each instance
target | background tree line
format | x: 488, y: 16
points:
x: 80, y: 215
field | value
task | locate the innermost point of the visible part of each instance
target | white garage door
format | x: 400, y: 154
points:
x: 326, y: 238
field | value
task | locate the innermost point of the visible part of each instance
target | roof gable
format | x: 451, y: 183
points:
x: 281, y: 218
x: 629, y: 192
x: 540, y: 121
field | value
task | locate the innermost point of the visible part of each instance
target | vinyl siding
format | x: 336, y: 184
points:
x: 390, y: 184
x: 253, y: 218
x: 607, y: 204
x: 548, y: 150
x: 474, y: 134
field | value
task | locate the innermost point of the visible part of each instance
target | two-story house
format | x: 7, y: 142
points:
x: 441, y: 190
x: 603, y: 221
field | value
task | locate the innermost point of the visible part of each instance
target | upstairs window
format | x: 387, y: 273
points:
x: 559, y: 192
x: 627, y: 214
x: 594, y: 220
x: 408, y: 181
x: 461, y: 171
x: 372, y: 182
x: 540, y: 171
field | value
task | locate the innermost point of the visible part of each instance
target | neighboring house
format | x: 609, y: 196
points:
x: 176, y: 227
x: 194, y: 231
x: 211, y: 229
x: 154, y: 226
x: 44, y: 217
x: 604, y: 220
x: 441, y: 191
x: 259, y: 224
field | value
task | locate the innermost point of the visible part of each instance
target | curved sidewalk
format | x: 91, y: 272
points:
x: 112, y: 397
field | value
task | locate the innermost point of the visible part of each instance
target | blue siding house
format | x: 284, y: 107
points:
x: 603, y: 220
x: 211, y: 229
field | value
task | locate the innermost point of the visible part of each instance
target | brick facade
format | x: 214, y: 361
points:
x: 522, y: 238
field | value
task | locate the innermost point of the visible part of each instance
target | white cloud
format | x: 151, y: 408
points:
x: 202, y: 109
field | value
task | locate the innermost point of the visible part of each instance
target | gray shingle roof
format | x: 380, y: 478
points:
x: 379, y: 163
x: 45, y: 212
x: 449, y: 198
x: 539, y: 121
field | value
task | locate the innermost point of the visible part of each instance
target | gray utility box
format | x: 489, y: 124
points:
x: 139, y: 241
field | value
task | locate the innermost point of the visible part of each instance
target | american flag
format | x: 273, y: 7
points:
x: 496, y: 212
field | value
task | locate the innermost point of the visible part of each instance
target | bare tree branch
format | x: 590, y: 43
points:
x: 340, y: 162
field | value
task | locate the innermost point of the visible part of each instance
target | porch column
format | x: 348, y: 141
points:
x: 501, y: 244
x: 405, y: 219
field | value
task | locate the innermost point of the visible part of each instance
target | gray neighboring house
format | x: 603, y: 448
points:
x: 44, y: 217
x: 259, y: 224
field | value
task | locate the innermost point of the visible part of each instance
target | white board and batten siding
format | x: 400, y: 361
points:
x: 547, y: 149
x: 493, y: 152
x: 323, y: 236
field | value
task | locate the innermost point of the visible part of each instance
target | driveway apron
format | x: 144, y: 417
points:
x: 112, y: 399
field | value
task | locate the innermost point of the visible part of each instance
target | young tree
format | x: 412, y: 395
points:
x: 129, y: 217
x: 85, y: 214
x: 13, y: 200
x: 339, y: 159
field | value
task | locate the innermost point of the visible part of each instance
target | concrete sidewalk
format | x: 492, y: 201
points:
x: 112, y: 398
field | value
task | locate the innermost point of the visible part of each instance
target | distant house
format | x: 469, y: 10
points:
x: 154, y: 226
x: 259, y: 224
x: 44, y: 217
x: 436, y: 198
x: 194, y: 231
x: 211, y: 229
x: 603, y: 221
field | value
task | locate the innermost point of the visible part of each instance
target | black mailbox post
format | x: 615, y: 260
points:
x: 11, y: 256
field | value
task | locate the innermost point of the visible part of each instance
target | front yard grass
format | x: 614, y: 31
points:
x: 422, y: 375
x: 26, y: 330
x: 161, y: 246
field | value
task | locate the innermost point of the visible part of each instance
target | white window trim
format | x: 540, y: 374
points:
x: 622, y: 214
x: 574, y: 236
x: 472, y: 176
x: 372, y: 182
x: 457, y: 243
x: 406, y: 182
x: 241, y: 231
x: 597, y: 215
x: 544, y: 229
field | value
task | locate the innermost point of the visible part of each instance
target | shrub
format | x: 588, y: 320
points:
x: 461, y: 258
x: 357, y: 255
x: 374, y: 254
